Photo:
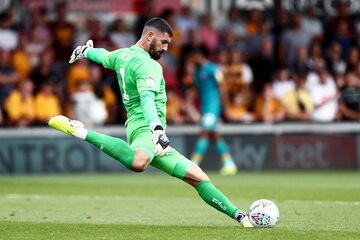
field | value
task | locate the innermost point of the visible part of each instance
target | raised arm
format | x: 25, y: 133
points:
x: 98, y: 55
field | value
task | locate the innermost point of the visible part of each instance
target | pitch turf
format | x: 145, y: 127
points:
x: 313, y: 205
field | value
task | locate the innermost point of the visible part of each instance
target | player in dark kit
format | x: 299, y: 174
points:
x: 209, y: 82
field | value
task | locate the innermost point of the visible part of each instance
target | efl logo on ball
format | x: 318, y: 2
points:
x: 263, y: 213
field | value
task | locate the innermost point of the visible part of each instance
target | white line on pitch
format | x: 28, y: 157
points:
x: 80, y: 197
x: 317, y: 202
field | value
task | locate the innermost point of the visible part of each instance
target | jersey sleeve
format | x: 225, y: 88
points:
x: 148, y: 106
x: 148, y: 76
x: 103, y: 57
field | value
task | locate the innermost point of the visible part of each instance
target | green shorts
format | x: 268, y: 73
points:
x: 174, y: 164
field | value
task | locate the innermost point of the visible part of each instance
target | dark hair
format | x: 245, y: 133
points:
x: 160, y: 25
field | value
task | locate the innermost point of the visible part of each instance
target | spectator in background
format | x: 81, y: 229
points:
x: 350, y: 98
x: 46, y: 72
x: 186, y: 76
x: 46, y: 103
x: 358, y: 70
x: 302, y: 63
x: 19, y: 105
x: 208, y: 33
x: 120, y: 35
x: 185, y: 68
x: 312, y: 24
x: 78, y: 72
x: 357, y: 28
x: 8, y: 76
x: 341, y: 36
x: 254, y: 42
x: 238, y: 77
x: 63, y: 33
x: 88, y: 107
x: 8, y: 36
x: 282, y: 21
x: 96, y: 31
x: 342, y: 20
x: 339, y: 81
x: 236, y: 26
x: 172, y: 55
x: 146, y: 12
x: 292, y: 39
x: 174, y: 107
x: 282, y: 83
x: 267, y: 107
x: 353, y: 59
x: 313, y: 77
x: 209, y: 83
x: 1, y: 117
x: 84, y: 26
x: 186, y: 21
x: 229, y: 41
x: 35, y: 46
x: 253, y: 21
x: 222, y: 59
x: 38, y: 33
x: 280, y: 25
x: 263, y: 65
x: 335, y: 64
x: 21, y: 59
x: 315, y: 52
x: 169, y: 75
x: 103, y: 91
x: 324, y: 98
x: 237, y: 109
x: 297, y: 101
x: 178, y: 38
x: 191, y: 106
x: 39, y: 19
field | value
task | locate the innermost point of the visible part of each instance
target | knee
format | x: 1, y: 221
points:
x: 199, y: 176
x: 139, y: 166
x: 195, y: 175
x: 141, y: 162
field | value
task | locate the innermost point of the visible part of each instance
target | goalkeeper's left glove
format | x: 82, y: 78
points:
x: 80, y: 51
x: 160, y: 140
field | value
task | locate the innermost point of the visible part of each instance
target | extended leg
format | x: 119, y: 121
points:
x: 178, y: 166
x: 115, y: 147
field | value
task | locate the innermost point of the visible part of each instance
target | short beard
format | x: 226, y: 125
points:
x: 152, y: 51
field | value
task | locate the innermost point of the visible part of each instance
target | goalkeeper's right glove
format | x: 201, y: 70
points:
x: 80, y: 51
x: 160, y: 140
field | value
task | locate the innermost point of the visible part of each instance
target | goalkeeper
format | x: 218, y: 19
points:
x: 142, y: 87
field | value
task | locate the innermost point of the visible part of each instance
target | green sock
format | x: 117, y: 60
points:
x: 212, y: 196
x: 114, y: 147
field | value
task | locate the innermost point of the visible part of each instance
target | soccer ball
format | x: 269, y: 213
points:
x: 263, y: 213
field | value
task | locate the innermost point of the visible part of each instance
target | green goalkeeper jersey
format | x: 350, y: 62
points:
x: 136, y: 72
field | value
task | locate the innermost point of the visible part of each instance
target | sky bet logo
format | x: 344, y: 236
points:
x: 220, y: 204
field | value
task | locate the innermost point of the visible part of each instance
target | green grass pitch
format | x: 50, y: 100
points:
x: 313, y: 205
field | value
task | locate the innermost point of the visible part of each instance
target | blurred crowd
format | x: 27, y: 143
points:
x: 277, y: 67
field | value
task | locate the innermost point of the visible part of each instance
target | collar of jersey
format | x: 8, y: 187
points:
x: 137, y: 48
